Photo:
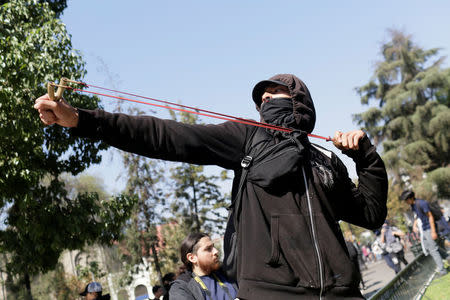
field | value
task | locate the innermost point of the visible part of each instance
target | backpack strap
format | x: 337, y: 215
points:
x: 245, y: 163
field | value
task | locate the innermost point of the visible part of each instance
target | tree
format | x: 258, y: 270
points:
x: 198, y: 199
x: 41, y: 219
x: 57, y: 6
x: 173, y: 235
x: 412, y: 115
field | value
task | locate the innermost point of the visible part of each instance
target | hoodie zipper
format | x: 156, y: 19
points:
x: 316, y: 245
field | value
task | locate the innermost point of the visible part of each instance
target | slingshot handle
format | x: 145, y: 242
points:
x: 51, y: 89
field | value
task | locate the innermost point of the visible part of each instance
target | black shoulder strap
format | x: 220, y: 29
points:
x: 245, y: 163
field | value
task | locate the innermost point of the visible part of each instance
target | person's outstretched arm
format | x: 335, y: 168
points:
x: 221, y: 144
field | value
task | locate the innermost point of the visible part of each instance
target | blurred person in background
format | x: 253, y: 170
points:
x: 93, y: 291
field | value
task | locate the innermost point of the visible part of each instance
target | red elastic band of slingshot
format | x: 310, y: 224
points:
x: 187, y: 109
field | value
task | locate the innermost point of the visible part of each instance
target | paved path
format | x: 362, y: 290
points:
x: 378, y: 274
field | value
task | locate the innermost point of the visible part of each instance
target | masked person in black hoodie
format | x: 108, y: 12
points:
x: 284, y: 240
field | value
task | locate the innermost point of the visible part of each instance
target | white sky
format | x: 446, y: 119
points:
x: 210, y: 54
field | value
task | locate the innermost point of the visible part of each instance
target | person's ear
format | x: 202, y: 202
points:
x: 192, y: 257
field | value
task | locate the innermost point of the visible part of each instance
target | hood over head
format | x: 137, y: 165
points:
x: 303, y: 106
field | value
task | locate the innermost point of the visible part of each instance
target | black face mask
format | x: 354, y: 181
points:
x: 278, y: 111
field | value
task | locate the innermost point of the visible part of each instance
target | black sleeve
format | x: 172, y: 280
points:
x: 221, y: 144
x: 363, y: 205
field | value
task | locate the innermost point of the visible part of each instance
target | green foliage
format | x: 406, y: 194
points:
x: 169, y: 252
x: 92, y: 269
x: 198, y: 199
x: 436, y: 183
x: 98, y: 220
x: 396, y: 208
x: 41, y: 218
x: 57, y: 6
x: 409, y: 113
x: 64, y: 286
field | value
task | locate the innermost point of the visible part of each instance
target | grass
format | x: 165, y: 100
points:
x: 439, y: 289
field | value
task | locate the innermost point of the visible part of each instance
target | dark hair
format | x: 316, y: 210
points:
x: 189, y: 245
x: 155, y: 288
x: 406, y: 195
x: 169, y: 277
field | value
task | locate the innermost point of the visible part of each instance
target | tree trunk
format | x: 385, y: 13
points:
x: 157, y: 265
x: 194, y: 198
x: 28, y: 286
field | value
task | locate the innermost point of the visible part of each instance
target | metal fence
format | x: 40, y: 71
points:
x: 410, y: 283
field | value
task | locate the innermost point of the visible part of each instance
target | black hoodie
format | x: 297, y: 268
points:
x: 289, y: 242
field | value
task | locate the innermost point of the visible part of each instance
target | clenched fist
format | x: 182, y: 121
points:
x: 349, y: 140
x: 56, y: 112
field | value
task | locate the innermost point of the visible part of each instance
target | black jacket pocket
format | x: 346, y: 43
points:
x: 293, y: 245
